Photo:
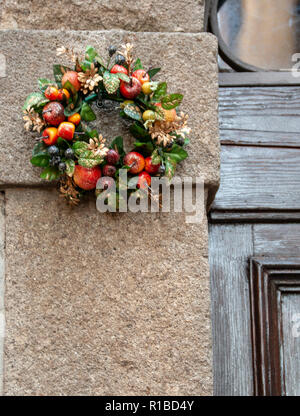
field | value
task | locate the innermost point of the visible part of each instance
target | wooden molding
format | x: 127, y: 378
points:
x: 269, y: 278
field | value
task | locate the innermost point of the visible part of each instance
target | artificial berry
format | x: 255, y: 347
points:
x: 69, y: 154
x: 109, y: 170
x: 144, y: 180
x: 112, y: 50
x: 162, y: 170
x: 150, y: 167
x: 130, y: 89
x: 75, y: 119
x: 135, y: 161
x: 148, y: 115
x: 105, y: 183
x: 53, y: 150
x: 62, y: 166
x: 117, y: 69
x: 66, y: 130
x: 55, y: 160
x: 120, y: 59
x: 141, y: 75
x: 112, y: 157
x: 51, y: 93
x: 146, y: 88
x: 53, y: 113
x: 180, y: 141
x: 50, y: 136
x: 72, y: 77
x: 169, y: 115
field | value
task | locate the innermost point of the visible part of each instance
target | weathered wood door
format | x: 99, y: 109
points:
x: 255, y: 243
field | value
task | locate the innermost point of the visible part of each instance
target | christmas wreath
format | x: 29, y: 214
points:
x: 78, y: 156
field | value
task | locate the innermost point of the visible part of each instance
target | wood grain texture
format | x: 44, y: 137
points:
x: 290, y: 316
x: 268, y: 78
x: 279, y: 239
x: 257, y: 178
x: 266, y: 116
x: 230, y: 247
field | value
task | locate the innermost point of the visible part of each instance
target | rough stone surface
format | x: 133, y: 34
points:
x: 2, y: 274
x: 101, y: 304
x: 135, y: 15
x: 188, y: 63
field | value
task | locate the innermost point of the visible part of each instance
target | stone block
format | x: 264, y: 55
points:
x: 134, y: 15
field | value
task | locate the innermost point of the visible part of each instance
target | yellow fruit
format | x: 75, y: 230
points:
x: 124, y: 103
x: 146, y: 88
x: 148, y: 115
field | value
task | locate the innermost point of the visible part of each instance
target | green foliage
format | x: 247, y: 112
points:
x: 138, y: 65
x: 58, y: 72
x: 118, y: 143
x: 50, y: 174
x: 111, y: 82
x: 86, y: 157
x: 40, y: 156
x: 123, y: 77
x: 160, y: 91
x: 177, y: 153
x: 70, y: 167
x: 43, y: 83
x: 133, y: 111
x: 139, y: 132
x: 86, y: 113
x: 170, y: 166
x: 35, y: 100
x: 152, y: 72
x: 155, y: 157
x: 171, y: 101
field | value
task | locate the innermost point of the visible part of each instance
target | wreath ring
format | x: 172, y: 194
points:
x: 71, y: 152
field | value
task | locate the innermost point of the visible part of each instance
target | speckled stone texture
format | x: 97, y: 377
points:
x: 188, y: 63
x: 135, y: 15
x: 104, y: 304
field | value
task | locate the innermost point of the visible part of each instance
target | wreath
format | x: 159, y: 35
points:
x: 78, y: 156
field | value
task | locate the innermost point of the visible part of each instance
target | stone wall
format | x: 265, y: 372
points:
x: 105, y: 304
x: 134, y: 15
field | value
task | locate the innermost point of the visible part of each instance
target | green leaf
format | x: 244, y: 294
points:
x: 171, y: 101
x: 138, y: 65
x: 90, y: 53
x: 139, y: 132
x: 177, y: 153
x: 153, y: 72
x: 148, y: 146
x: 133, y: 111
x: 160, y: 91
x: 170, y: 167
x: 100, y: 61
x: 111, y: 82
x: 89, y: 160
x: 50, y: 174
x: 39, y: 148
x: 92, y: 133
x: 71, y: 108
x: 43, y: 83
x: 87, y: 114
x: 34, y: 99
x: 58, y: 72
x: 70, y: 164
x: 79, y: 148
x: 41, y: 160
x: 70, y: 87
x: 63, y: 143
x: 118, y: 143
x: 123, y: 77
x: 155, y: 157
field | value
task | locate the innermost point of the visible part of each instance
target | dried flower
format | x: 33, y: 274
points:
x: 32, y: 120
x: 97, y: 146
x: 161, y: 130
x: 89, y: 79
x: 127, y: 53
x: 68, y: 190
x: 70, y: 54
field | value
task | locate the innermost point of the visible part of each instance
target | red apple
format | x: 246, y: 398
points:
x: 50, y: 136
x: 141, y: 75
x: 135, y: 161
x: 72, y: 77
x: 117, y: 69
x: 86, y: 178
x: 130, y: 89
x: 149, y: 167
x: 66, y: 130
x: 53, y: 113
x: 109, y: 170
x: 144, y: 180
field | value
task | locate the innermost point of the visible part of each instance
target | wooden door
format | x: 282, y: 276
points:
x: 255, y: 243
